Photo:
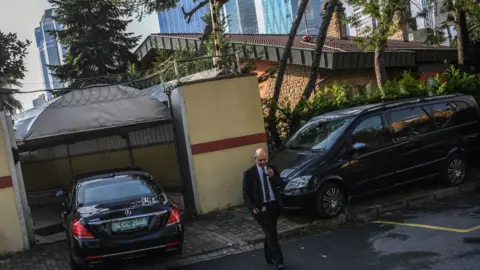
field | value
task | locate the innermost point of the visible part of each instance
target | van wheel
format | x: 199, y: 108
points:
x: 455, y: 170
x: 330, y: 200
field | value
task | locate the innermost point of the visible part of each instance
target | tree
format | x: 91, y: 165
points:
x: 223, y: 22
x: 329, y: 7
x: 94, y: 33
x: 12, y: 69
x: 389, y: 16
x: 458, y: 12
x: 272, y: 128
x: 474, y: 27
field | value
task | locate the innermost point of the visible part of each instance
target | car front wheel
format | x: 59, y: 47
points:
x: 455, y: 170
x: 330, y: 200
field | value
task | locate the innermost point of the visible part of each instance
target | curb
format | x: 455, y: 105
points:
x: 317, y: 225
x: 371, y: 212
x: 356, y: 216
x: 442, y: 195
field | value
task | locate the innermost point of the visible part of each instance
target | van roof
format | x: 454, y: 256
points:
x: 383, y: 105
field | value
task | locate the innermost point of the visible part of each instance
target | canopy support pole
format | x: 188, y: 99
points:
x: 130, y: 150
x: 70, y: 162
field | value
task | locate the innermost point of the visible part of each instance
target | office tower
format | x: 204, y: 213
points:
x: 173, y: 21
x: 50, y: 50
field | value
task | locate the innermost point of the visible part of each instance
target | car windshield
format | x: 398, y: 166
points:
x: 119, y: 188
x: 319, y: 134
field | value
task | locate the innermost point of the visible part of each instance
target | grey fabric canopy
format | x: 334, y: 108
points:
x: 91, y: 111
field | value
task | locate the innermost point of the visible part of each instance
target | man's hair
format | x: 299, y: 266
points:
x: 259, y: 151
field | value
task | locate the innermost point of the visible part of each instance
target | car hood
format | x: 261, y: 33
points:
x: 90, y: 210
x: 291, y: 162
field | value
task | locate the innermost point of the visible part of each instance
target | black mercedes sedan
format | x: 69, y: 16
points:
x: 117, y: 214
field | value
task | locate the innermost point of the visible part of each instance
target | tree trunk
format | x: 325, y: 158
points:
x: 462, y: 40
x: 322, y: 34
x: 380, y: 71
x: 272, y: 128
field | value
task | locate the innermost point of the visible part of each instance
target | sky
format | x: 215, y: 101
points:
x: 22, y: 16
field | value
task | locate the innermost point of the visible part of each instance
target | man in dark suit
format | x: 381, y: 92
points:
x: 261, y: 195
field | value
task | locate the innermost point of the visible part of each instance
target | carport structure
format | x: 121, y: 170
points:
x: 94, y: 128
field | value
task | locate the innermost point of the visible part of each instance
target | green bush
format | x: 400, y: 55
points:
x: 290, y: 118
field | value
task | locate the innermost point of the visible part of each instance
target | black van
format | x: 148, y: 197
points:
x: 360, y: 150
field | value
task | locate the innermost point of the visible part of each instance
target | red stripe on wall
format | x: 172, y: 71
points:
x: 228, y: 143
x: 6, y: 182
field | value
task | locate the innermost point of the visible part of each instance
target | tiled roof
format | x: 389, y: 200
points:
x: 331, y: 44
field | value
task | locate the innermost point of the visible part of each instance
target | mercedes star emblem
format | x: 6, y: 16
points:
x: 128, y: 212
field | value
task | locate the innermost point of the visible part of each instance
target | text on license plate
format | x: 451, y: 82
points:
x: 130, y: 224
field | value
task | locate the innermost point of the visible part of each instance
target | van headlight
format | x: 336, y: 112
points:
x: 298, y: 182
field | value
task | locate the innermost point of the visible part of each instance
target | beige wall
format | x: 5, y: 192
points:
x: 159, y: 160
x: 219, y: 176
x: 11, y: 239
x: 222, y: 109
x: 216, y: 110
x: 10, y: 233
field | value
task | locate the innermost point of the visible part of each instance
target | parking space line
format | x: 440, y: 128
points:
x: 438, y: 228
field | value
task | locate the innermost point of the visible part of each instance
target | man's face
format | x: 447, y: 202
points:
x: 261, y: 159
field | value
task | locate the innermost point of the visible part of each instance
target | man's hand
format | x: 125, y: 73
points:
x: 270, y: 172
x: 255, y: 211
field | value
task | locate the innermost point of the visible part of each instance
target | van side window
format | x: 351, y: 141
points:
x: 465, y: 114
x: 370, y: 132
x: 411, y: 122
x: 442, y: 112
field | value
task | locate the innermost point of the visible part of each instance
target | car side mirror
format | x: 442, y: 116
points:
x: 60, y: 194
x: 359, y: 147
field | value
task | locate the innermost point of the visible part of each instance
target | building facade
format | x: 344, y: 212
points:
x: 428, y: 14
x: 50, y: 50
x: 242, y: 17
x: 246, y: 17
x: 172, y: 21
x: 39, y: 101
x: 312, y: 18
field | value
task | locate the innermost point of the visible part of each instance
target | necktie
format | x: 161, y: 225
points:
x: 265, y: 187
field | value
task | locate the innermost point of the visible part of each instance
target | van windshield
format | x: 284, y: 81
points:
x: 319, y: 134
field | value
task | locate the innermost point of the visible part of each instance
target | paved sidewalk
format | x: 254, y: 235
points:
x: 226, y: 231
x: 232, y: 231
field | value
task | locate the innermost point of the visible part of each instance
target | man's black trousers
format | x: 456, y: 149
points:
x: 268, y: 221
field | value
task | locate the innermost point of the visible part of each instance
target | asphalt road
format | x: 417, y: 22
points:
x: 442, y: 237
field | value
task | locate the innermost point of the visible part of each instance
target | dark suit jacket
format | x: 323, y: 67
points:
x: 252, y: 188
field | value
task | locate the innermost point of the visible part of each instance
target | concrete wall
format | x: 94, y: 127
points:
x: 225, y: 126
x: 11, y: 238
x: 159, y: 160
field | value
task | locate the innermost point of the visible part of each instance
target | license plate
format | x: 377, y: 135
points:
x: 129, y: 224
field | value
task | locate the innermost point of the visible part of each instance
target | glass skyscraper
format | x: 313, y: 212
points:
x: 242, y: 16
x: 246, y: 17
x: 313, y: 16
x: 172, y: 21
x: 276, y: 16
x: 50, y: 50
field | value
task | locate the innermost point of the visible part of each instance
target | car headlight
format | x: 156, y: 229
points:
x: 298, y: 182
